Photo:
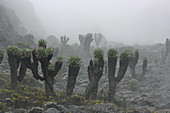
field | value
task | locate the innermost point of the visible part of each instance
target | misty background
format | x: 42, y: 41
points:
x: 126, y: 21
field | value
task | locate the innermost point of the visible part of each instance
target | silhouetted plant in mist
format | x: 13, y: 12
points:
x: 81, y: 39
x: 1, y: 55
x: 95, y: 72
x: 52, y: 41
x: 64, y: 40
x: 167, y: 51
x: 29, y: 39
x: 98, y: 38
x: 123, y: 64
x: 85, y: 41
x: 133, y: 62
x: 133, y: 84
x: 144, y: 69
x: 74, y: 66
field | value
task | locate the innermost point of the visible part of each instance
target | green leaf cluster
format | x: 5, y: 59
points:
x: 26, y: 53
x: 131, y: 55
x: 42, y: 43
x: 125, y: 55
x: 74, y: 61
x: 59, y: 59
x: 14, y: 50
x: 133, y: 82
x: 51, y: 67
x: 98, y: 53
x: 50, y: 50
x: 145, y: 58
x: 112, y: 53
x: 42, y: 52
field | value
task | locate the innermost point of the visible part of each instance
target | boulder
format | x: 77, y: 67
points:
x: 20, y: 110
x: 52, y: 110
x: 36, y: 110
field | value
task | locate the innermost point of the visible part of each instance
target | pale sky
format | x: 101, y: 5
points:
x: 127, y: 21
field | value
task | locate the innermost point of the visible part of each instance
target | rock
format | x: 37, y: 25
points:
x: 143, y: 95
x: 78, y: 109
x: 97, y: 108
x: 7, y: 32
x: 168, y: 105
x: 20, y: 110
x: 52, y: 110
x: 8, y: 102
x: 147, y: 102
x: 60, y: 108
x: 50, y: 105
x: 36, y: 110
x: 132, y: 101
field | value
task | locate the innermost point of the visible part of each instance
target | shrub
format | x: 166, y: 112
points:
x: 92, y: 102
x: 75, y: 100
x: 133, y: 83
x: 74, y: 61
x: 98, y: 53
x: 112, y: 53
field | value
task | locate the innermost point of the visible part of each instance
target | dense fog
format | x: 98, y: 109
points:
x: 84, y: 56
x: 127, y: 21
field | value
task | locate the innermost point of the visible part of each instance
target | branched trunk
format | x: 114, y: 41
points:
x: 90, y: 88
x: 12, y: 60
x: 72, y: 76
x: 1, y: 58
x: 51, y: 75
x: 81, y: 39
x: 133, y: 72
x: 95, y: 72
x: 98, y: 38
x: 111, y: 75
x: 106, y: 67
x: 143, y: 69
x: 33, y: 66
x: 88, y: 40
x: 132, y: 64
x: 122, y: 70
x: 48, y: 80
x: 22, y: 72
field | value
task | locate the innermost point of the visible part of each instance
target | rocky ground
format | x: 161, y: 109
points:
x: 152, y: 94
